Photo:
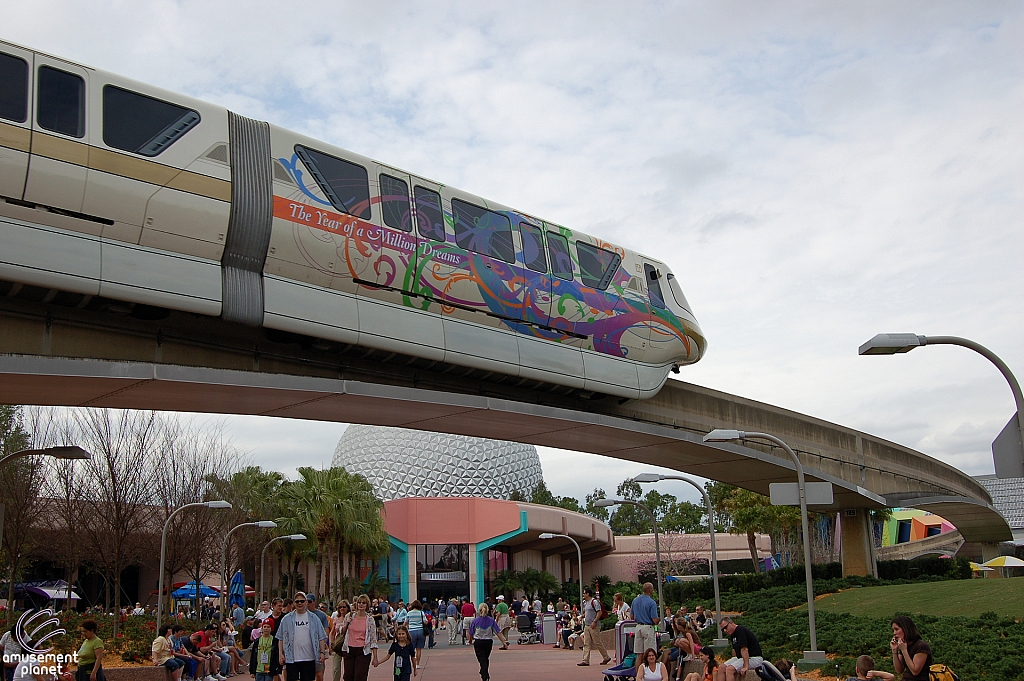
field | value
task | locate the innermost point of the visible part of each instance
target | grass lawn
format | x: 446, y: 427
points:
x: 967, y: 597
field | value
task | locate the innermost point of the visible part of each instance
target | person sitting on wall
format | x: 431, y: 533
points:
x: 747, y: 653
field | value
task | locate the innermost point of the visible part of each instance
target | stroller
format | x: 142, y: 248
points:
x: 527, y: 630
x: 626, y: 668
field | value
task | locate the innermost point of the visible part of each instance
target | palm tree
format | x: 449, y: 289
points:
x: 507, y: 582
x: 340, y: 512
x: 546, y: 584
x: 376, y: 584
x: 529, y: 581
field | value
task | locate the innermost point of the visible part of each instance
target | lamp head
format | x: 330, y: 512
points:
x: 218, y: 504
x: 296, y: 537
x: 722, y: 435
x: 546, y: 535
x: 265, y: 523
x: 604, y: 503
x: 649, y: 477
x: 891, y: 344
x: 68, y: 453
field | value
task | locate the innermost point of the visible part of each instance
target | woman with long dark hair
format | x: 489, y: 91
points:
x: 911, y: 656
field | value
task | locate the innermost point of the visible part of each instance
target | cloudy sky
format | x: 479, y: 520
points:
x: 814, y: 173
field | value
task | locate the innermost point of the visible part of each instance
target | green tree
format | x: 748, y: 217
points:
x: 506, y: 582
x: 20, y: 481
x: 340, y: 513
x: 683, y: 516
x: 546, y: 584
x: 599, y: 512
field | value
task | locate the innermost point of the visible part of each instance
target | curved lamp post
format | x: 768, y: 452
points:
x: 812, y: 656
x: 163, y: 551
x: 263, y: 555
x: 894, y: 343
x: 579, y: 554
x: 224, y: 558
x: 604, y: 503
x: 72, y: 453
x: 657, y: 477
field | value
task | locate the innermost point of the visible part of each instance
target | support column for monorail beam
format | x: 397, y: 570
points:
x: 858, y: 550
x: 990, y: 550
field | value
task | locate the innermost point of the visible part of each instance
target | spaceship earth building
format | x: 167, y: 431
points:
x: 410, y: 463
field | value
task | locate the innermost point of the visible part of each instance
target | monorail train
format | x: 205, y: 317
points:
x: 113, y: 188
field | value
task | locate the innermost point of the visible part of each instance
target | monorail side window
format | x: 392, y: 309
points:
x: 61, y: 102
x: 429, y: 217
x: 533, y: 248
x: 141, y: 124
x: 677, y: 293
x: 345, y: 184
x: 561, y: 261
x: 394, y: 202
x: 597, y: 265
x: 483, y: 231
x: 13, y: 88
x: 654, y: 286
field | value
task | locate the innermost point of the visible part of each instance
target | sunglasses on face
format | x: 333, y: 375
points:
x: 297, y: 601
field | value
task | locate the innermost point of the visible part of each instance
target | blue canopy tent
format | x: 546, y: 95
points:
x: 189, y: 591
x: 236, y: 590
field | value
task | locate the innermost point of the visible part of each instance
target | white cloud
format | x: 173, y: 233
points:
x: 813, y: 173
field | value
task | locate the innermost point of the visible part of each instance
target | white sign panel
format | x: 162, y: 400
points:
x: 788, y: 493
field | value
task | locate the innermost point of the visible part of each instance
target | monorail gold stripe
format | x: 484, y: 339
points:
x: 123, y: 165
x: 13, y: 137
x: 129, y: 166
x: 60, y: 149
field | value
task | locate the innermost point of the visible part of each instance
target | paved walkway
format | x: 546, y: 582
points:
x: 458, y: 663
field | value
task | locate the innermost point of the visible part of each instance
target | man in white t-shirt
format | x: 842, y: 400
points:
x: 302, y: 641
x: 264, y: 612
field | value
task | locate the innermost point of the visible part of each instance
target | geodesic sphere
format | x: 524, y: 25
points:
x: 411, y: 463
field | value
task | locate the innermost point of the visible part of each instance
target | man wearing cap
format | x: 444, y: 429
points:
x: 311, y: 605
x: 302, y: 641
x: 504, y: 621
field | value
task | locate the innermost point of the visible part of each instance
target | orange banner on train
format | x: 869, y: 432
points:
x: 318, y: 218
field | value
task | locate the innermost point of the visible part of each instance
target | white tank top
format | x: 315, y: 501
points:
x: 652, y: 675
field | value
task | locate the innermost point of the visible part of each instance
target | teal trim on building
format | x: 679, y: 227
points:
x: 481, y: 547
x: 400, y: 547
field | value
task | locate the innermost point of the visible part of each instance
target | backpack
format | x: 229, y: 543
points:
x: 940, y: 672
x: 602, y: 611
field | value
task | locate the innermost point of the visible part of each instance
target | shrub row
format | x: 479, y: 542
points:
x: 748, y: 583
x: 989, y: 647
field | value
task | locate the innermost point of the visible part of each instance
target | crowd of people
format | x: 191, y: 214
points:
x: 290, y: 639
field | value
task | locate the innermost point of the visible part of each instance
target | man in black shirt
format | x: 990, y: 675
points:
x: 746, y: 650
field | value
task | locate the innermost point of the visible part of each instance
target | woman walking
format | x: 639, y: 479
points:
x: 416, y: 623
x: 90, y: 655
x: 359, y: 640
x: 335, y: 636
x: 911, y: 656
x: 482, y: 631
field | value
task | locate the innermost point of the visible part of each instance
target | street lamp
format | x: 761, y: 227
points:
x: 163, y: 552
x: 579, y: 554
x: 72, y: 453
x: 224, y: 558
x: 812, y: 656
x: 263, y: 555
x: 658, y: 477
x: 893, y: 343
x: 604, y: 503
